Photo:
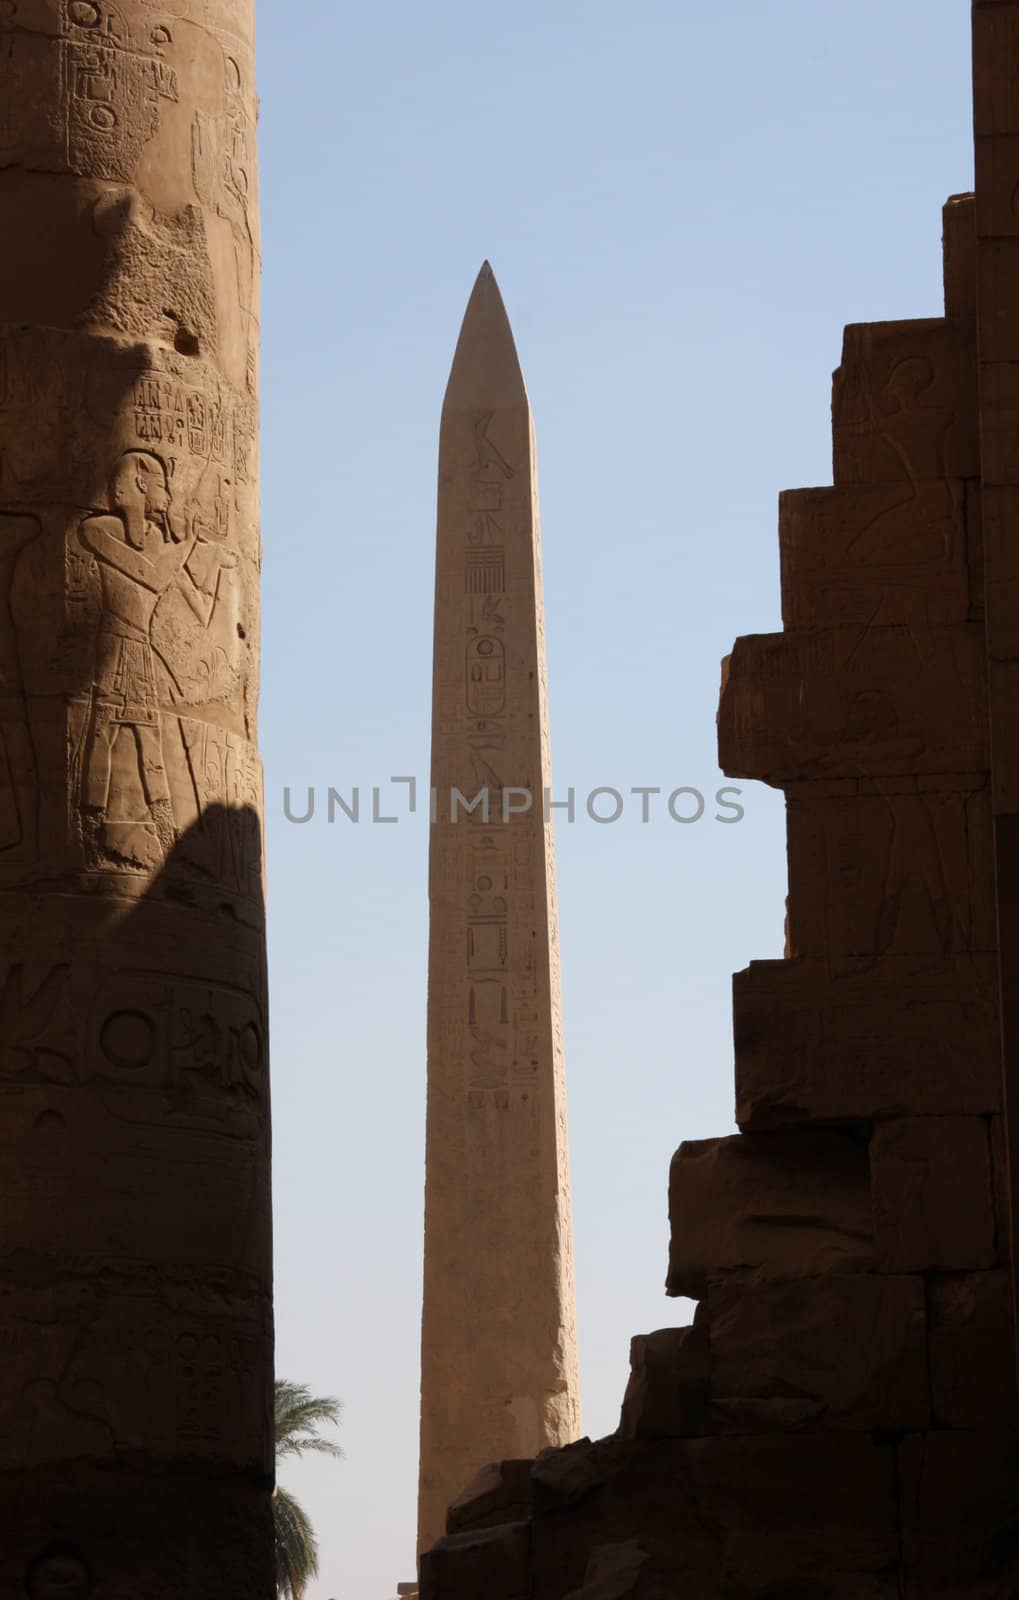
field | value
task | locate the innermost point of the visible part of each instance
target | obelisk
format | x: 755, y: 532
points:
x: 499, y: 1359
x: 135, y: 1259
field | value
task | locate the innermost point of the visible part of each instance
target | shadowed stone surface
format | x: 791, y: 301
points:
x: 970, y: 1350
x: 499, y: 1362
x: 933, y: 1201
x: 135, y: 1264
x: 831, y: 1041
x: 500, y: 1493
x: 789, y: 1204
x: 669, y: 1393
x: 842, y: 1352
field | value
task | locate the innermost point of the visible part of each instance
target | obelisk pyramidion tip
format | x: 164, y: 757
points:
x: 485, y: 374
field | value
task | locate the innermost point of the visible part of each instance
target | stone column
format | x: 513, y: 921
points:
x: 135, y: 1263
x: 499, y: 1362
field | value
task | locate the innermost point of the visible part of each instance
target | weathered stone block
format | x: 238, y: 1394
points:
x: 999, y: 516
x: 933, y: 1204
x: 499, y: 1494
x: 564, y: 1477
x: 965, y: 1565
x: 896, y: 408
x: 995, y: 70
x: 614, y: 1572
x: 790, y: 1204
x: 999, y: 382
x: 959, y: 238
x: 646, y: 1494
x: 997, y: 163
x: 998, y: 263
x: 1000, y: 1190
x: 903, y: 867
x: 669, y: 1392
x: 1003, y: 694
x: 975, y: 551
x: 492, y: 1562
x: 763, y: 1565
x: 855, y: 1039
x: 840, y: 1352
x: 834, y: 1493
x: 826, y: 1504
x: 840, y: 703
x: 972, y: 1357
x: 879, y: 554
x: 959, y: 1494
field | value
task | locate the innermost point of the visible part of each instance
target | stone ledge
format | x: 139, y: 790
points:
x: 840, y: 1352
x: 857, y: 1039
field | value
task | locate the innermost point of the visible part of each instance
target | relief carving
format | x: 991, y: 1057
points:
x: 38, y: 1035
x: 142, y: 549
x: 488, y: 456
x: 486, y: 677
x: 19, y: 799
x: 201, y: 1045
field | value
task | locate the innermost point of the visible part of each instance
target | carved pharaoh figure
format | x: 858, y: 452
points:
x: 140, y: 553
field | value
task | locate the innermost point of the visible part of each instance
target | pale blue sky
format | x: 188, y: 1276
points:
x: 683, y: 203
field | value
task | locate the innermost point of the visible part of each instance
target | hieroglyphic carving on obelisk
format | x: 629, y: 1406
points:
x: 499, y: 1360
x: 135, y: 1313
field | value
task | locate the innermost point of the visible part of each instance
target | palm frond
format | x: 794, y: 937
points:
x: 299, y: 1447
x: 296, y: 1546
x: 299, y: 1414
